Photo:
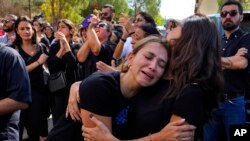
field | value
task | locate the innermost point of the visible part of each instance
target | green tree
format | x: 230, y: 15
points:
x: 120, y: 6
x: 150, y: 6
x: 58, y: 9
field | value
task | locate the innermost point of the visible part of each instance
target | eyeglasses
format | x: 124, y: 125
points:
x: 104, y: 14
x: 101, y: 25
x: 232, y: 13
x: 6, y: 21
x: 139, y: 20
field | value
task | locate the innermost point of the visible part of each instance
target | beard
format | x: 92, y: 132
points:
x: 8, y: 29
x: 229, y: 25
x: 109, y: 18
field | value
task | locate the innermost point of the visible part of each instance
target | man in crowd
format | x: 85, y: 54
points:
x: 235, y: 56
x: 9, y: 29
x: 14, y: 92
x: 107, y: 13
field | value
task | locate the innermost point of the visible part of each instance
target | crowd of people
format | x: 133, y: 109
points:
x: 123, y: 80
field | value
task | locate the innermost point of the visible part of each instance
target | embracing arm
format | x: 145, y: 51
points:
x: 176, y: 130
x: 72, y: 109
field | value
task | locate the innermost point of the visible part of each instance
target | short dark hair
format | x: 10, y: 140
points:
x: 230, y: 2
x: 111, y: 7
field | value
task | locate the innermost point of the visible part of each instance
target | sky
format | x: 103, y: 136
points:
x: 178, y: 9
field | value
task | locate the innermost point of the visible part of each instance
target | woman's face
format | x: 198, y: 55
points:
x: 174, y: 34
x: 139, y: 20
x: 24, y: 30
x: 48, y: 31
x: 138, y: 35
x: 62, y: 27
x: 37, y: 26
x: 101, y: 31
x: 148, y: 65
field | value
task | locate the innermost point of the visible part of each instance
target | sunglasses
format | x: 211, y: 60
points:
x: 232, y: 13
x: 139, y: 20
x: 104, y: 14
x: 101, y: 25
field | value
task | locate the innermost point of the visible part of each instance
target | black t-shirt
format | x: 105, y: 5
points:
x: 105, y: 55
x: 131, y: 118
x: 68, y: 62
x: 14, y: 84
x: 190, y: 105
x: 149, y: 112
x: 235, y: 80
x: 36, y: 75
x: 100, y: 93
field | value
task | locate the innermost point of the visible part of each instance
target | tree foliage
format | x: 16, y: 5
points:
x: 76, y: 10
x: 150, y: 6
x: 58, y: 9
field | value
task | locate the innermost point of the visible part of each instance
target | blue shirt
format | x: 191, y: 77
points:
x: 14, y: 84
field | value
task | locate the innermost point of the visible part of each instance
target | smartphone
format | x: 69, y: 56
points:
x: 85, y: 22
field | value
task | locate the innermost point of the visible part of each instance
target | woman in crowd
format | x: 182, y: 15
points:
x: 34, y: 55
x: 140, y: 33
x: 97, y: 46
x: 62, y: 59
x: 170, y: 24
x: 196, y: 83
x: 124, y: 46
x: 49, y: 32
x: 111, y: 93
x: 39, y: 27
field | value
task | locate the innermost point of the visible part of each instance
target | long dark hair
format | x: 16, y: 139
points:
x: 18, y: 41
x: 196, y: 59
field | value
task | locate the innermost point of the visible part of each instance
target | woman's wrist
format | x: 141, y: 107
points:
x: 123, y: 39
x: 38, y: 63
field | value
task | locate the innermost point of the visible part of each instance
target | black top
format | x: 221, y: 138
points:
x: 67, y: 63
x: 145, y: 113
x: 36, y: 75
x: 105, y: 55
x: 149, y: 112
x: 100, y: 93
x: 235, y: 80
x: 190, y: 104
x: 131, y: 118
x: 14, y: 84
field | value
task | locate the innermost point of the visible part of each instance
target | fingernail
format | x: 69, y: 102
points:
x: 91, y: 115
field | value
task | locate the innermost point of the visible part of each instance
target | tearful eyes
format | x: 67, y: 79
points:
x: 160, y: 63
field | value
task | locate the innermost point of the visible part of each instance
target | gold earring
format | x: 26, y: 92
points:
x: 129, y: 65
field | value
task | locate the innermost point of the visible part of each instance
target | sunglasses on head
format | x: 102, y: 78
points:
x: 232, y: 13
x: 101, y: 25
x: 139, y: 20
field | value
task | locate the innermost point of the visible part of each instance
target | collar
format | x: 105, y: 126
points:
x: 236, y: 34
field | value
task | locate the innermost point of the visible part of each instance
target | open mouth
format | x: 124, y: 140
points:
x: 148, y: 75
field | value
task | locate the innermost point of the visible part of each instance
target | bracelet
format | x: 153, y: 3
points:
x: 38, y: 63
x: 124, y: 40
